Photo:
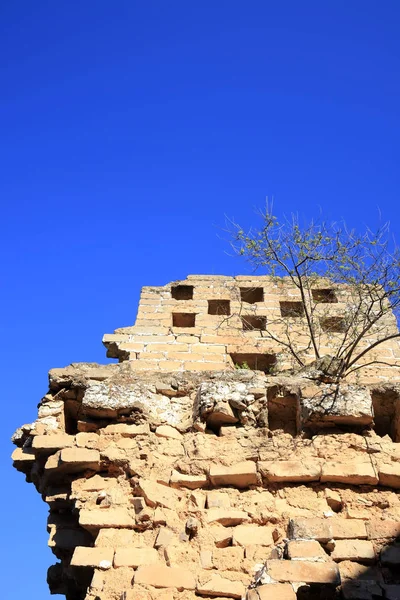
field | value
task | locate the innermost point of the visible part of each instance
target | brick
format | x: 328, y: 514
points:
x: 246, y: 535
x: 157, y: 494
x: 170, y: 365
x: 226, y: 516
x: 290, y: 470
x: 126, y: 430
x: 160, y: 576
x: 97, y: 518
x: 208, y: 349
x: 353, y: 570
x: 167, y: 347
x: 135, y: 557
x: 301, y: 570
x: 92, y: 557
x: 356, y: 550
x: 389, y: 475
x: 272, y: 591
x: 23, y: 455
x: 164, y: 538
x: 189, y: 481
x: 52, y: 442
x: 220, y: 587
x: 350, y: 473
x: 80, y: 457
x: 241, y: 475
x: 167, y: 431
x: 87, y: 440
x: 324, y: 530
x: 206, y: 366
x: 383, y: 528
x: 306, y: 550
x: 222, y: 536
x: 218, y: 499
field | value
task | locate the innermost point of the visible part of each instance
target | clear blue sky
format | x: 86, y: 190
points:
x: 128, y: 130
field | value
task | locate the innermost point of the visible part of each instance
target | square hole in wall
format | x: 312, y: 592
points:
x: 292, y: 309
x: 326, y: 296
x: 283, y: 410
x: 386, y: 405
x: 254, y: 361
x: 252, y: 295
x: 184, y: 319
x: 182, y: 292
x: 219, y: 307
x: 333, y: 324
x: 253, y: 322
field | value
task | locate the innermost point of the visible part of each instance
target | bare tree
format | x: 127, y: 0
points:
x: 347, y: 286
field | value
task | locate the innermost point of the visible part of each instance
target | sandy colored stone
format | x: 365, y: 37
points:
x: 189, y: 481
x: 220, y: 587
x: 226, y: 516
x: 228, y: 559
x: 246, y: 535
x: 383, y: 528
x: 241, y: 475
x: 52, y: 442
x: 350, y: 473
x: 306, y: 550
x: 357, y: 550
x: 160, y: 576
x: 301, y: 570
x: 290, y: 470
x: 272, y: 591
x: 389, y: 475
x: 157, y: 494
x: 134, y: 557
x: 92, y: 557
x: 168, y: 432
x: 80, y: 456
x: 96, y: 518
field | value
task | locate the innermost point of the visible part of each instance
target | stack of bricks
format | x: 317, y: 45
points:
x: 214, y: 483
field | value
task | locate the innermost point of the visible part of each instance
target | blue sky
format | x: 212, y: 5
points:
x: 129, y: 129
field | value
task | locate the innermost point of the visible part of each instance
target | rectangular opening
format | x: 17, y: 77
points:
x: 386, y: 405
x: 283, y: 411
x: 252, y: 295
x: 292, y: 309
x: 253, y: 322
x: 325, y: 296
x: 219, y: 307
x: 183, y: 319
x: 182, y: 292
x: 333, y: 324
x: 254, y: 361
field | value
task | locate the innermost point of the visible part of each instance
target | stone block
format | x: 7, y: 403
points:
x: 290, y: 470
x: 304, y: 571
x: 23, y: 456
x: 247, y: 535
x: 100, y: 558
x: 126, y: 429
x: 189, y: 481
x: 222, y: 536
x: 306, y: 550
x: 241, y: 475
x: 161, y: 576
x: 97, y: 518
x: 349, y: 473
x: 164, y: 538
x: 220, y: 587
x: 157, y: 494
x: 226, y: 516
x: 383, y: 528
x: 218, y: 499
x: 272, y: 591
x: 324, y: 530
x: 52, y: 442
x: 389, y: 475
x: 134, y: 557
x: 80, y: 458
x: 167, y: 431
x: 355, y: 550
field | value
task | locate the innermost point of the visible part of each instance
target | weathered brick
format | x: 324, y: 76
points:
x: 92, y: 557
x: 157, y: 494
x: 301, y: 570
x: 246, y: 535
x: 383, y: 528
x: 166, y: 431
x: 306, y: 550
x: 160, y: 576
x: 324, y: 530
x: 290, y: 470
x: 126, y: 430
x: 356, y: 550
x: 350, y: 473
x: 134, y: 557
x: 221, y: 587
x: 389, y: 475
x: 226, y: 516
x: 52, y: 442
x: 272, y: 591
x: 97, y: 518
x: 228, y: 559
x: 189, y: 481
x: 79, y: 458
x: 241, y: 475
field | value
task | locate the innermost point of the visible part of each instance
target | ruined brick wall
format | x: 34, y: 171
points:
x: 209, y: 322
x: 214, y: 482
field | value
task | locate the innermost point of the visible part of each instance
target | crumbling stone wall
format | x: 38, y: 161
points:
x: 228, y: 483
x: 209, y: 322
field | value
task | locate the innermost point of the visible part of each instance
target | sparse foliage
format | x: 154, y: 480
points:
x: 347, y: 289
